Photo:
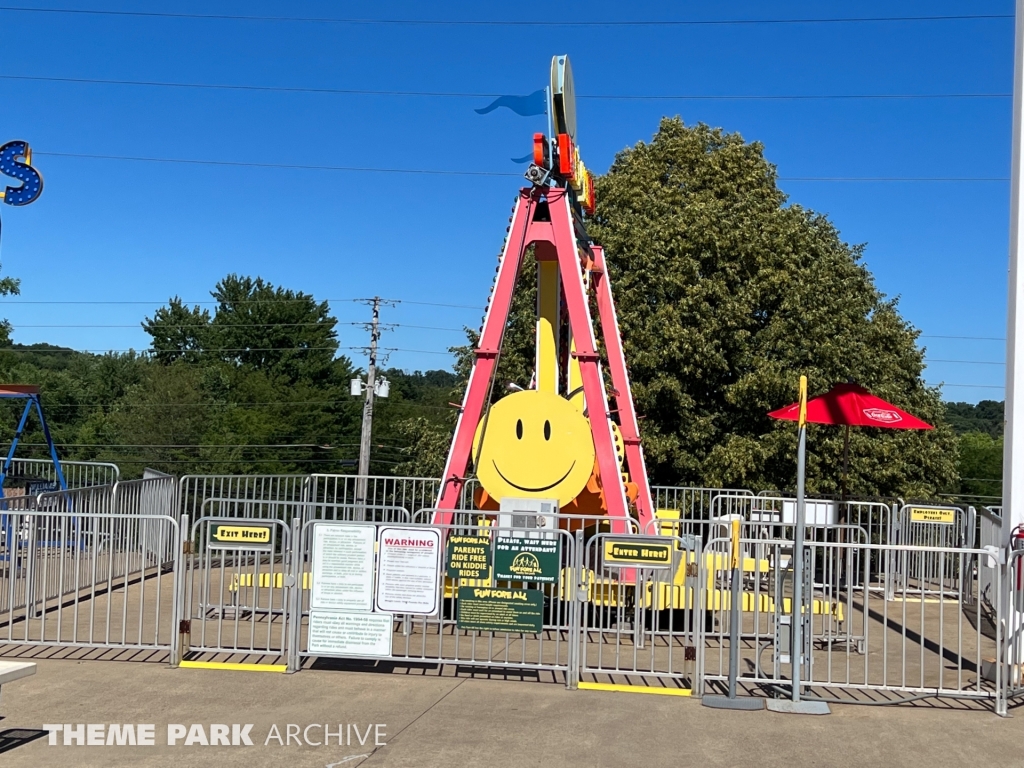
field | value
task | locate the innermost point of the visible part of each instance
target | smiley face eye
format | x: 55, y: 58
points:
x: 547, y: 430
x: 519, y: 429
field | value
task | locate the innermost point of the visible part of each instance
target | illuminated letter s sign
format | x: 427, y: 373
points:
x: 16, y: 162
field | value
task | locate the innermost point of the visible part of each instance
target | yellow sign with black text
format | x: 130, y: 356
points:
x: 240, y: 536
x: 928, y: 515
x: 638, y: 552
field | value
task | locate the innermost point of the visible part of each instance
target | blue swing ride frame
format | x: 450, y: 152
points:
x: 29, y: 393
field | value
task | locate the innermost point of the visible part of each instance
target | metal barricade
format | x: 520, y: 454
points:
x: 152, y: 496
x: 859, y: 645
x: 437, y: 638
x: 692, y: 502
x: 1009, y: 665
x: 194, y: 490
x: 929, y: 526
x: 642, y: 613
x: 236, y: 585
x: 77, y: 577
x: 77, y: 474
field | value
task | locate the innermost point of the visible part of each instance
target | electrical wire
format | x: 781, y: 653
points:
x: 495, y: 174
x: 284, y: 166
x: 504, y: 22
x: 480, y: 95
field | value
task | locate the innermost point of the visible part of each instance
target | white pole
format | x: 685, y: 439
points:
x: 1013, y: 442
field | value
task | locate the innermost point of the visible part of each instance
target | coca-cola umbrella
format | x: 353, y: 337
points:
x: 851, y: 405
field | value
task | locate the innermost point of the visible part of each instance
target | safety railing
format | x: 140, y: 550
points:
x: 857, y: 641
x: 1010, y: 664
x: 64, y: 580
x: 692, y: 502
x: 77, y: 474
x: 643, y: 612
x: 458, y: 620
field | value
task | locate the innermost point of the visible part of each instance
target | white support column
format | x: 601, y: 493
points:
x: 1013, y: 446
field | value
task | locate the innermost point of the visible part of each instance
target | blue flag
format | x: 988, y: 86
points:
x: 526, y: 106
x: 523, y: 159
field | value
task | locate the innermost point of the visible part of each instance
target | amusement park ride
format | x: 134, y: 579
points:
x: 570, y: 437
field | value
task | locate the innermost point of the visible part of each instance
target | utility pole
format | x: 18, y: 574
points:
x: 371, y: 380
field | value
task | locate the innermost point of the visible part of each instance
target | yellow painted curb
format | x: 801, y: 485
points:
x: 635, y: 689
x: 236, y: 667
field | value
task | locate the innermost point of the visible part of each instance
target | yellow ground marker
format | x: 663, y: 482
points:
x: 235, y: 667
x: 635, y: 689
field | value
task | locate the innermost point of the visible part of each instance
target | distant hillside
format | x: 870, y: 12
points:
x: 985, y: 417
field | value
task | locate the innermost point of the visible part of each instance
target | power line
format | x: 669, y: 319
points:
x: 8, y: 303
x: 979, y: 386
x: 504, y: 22
x: 480, y: 95
x: 436, y: 172
x: 966, y: 362
x: 285, y: 166
x: 968, y: 338
x: 248, y: 325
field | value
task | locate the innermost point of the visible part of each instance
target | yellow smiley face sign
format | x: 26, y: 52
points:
x: 536, y: 444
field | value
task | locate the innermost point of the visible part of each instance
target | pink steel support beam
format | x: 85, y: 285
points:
x: 475, y: 400
x: 623, y: 394
x: 582, y: 328
x: 556, y: 235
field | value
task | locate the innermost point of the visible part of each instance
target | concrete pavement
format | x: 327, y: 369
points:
x: 429, y: 721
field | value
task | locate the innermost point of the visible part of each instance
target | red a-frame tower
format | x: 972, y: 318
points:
x: 571, y: 271
x: 544, y: 218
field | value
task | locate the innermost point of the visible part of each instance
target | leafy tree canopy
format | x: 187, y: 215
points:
x: 726, y: 294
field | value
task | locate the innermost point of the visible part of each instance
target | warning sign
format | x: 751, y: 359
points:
x: 501, y: 610
x: 469, y: 557
x: 929, y: 515
x: 236, y: 536
x: 637, y: 552
x: 408, y: 570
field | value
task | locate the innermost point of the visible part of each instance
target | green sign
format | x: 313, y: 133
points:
x: 469, y: 557
x: 500, y: 610
x: 258, y: 536
x: 527, y: 559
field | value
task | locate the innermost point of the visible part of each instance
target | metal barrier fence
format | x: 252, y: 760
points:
x: 436, y: 637
x: 194, y: 490
x: 642, y: 622
x: 918, y: 529
x: 75, y: 577
x: 77, y: 474
x: 236, y: 595
x: 858, y: 641
x: 691, y: 502
x: 899, y: 619
x: 1011, y: 663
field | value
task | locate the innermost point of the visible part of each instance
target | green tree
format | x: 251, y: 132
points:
x: 981, y: 464
x: 179, y: 332
x: 985, y: 416
x: 726, y: 294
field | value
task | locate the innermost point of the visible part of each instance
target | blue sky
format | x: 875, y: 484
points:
x: 110, y: 231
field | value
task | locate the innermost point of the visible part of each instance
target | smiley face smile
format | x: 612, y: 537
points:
x: 535, y: 490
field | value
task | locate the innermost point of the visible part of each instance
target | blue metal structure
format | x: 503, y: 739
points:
x: 29, y: 393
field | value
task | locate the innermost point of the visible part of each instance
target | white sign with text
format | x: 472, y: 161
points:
x: 408, y: 570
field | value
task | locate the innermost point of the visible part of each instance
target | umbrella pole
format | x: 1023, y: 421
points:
x: 797, y: 628
x: 846, y: 462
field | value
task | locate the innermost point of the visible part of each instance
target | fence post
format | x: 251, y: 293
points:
x: 572, y: 677
x: 293, y: 611
x: 178, y: 603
